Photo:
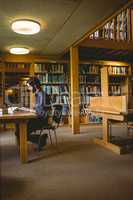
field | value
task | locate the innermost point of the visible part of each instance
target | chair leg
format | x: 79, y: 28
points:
x: 50, y: 137
x: 110, y: 131
x: 55, y: 136
x: 40, y: 133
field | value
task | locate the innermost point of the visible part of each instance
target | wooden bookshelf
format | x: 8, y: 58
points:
x: 89, y: 85
x: 54, y: 80
x: 14, y: 74
x: 117, y: 76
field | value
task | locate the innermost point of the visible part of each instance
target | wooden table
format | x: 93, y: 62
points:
x: 109, y: 115
x: 21, y: 118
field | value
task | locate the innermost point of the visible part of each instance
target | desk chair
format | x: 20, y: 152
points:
x: 53, y: 123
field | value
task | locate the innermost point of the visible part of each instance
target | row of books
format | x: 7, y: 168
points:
x: 85, y: 99
x: 89, y: 79
x: 59, y: 89
x: 90, y: 117
x: 17, y: 67
x: 24, y: 96
x: 116, y: 70
x: 62, y: 99
x: 115, y: 90
x: 91, y: 89
x: 52, y: 78
x: 88, y: 68
x: 49, y: 67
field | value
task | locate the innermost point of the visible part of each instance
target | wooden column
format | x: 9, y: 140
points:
x: 23, y: 141
x: 75, y: 101
x: 105, y: 129
x: 105, y: 93
x: 125, y: 90
x: 3, y: 85
x: 129, y: 24
x: 104, y: 81
x: 132, y: 25
x: 115, y: 29
x: 32, y: 96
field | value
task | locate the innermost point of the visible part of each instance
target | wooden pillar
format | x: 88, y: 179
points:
x: 32, y: 96
x: 105, y: 93
x: 129, y: 34
x: 105, y: 129
x: 23, y: 141
x: 75, y: 101
x: 104, y: 81
x: 115, y: 28
x: 3, y: 85
x: 132, y: 25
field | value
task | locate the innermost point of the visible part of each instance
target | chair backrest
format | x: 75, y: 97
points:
x: 57, y: 113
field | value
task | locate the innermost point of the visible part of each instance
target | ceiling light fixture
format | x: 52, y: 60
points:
x: 25, y: 27
x: 19, y: 50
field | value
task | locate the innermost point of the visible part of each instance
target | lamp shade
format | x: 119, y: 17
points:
x: 19, y: 50
x: 25, y: 27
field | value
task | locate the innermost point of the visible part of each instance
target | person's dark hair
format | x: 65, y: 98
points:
x: 34, y: 82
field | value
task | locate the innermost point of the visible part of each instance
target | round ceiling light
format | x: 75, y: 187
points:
x: 19, y: 50
x: 26, y: 27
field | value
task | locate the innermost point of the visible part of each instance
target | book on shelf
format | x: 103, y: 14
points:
x: 60, y: 99
x: 17, y: 67
x: 118, y: 70
x: 49, y: 67
x: 52, y: 78
x: 24, y: 96
x: 88, y: 69
x: 56, y: 89
x: 115, y: 90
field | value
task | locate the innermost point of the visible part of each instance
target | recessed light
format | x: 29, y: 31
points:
x: 19, y: 50
x: 26, y: 27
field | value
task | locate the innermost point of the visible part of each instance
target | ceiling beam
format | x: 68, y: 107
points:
x: 109, y: 44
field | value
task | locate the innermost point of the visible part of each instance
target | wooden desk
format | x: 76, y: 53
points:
x: 21, y: 118
x: 111, y: 109
x: 108, y: 115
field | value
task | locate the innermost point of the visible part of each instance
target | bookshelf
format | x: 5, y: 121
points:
x: 131, y: 81
x: 0, y: 88
x: 89, y: 86
x: 15, y: 74
x: 117, y: 76
x: 54, y: 80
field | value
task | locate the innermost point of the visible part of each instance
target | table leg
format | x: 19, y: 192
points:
x: 105, y: 129
x: 23, y: 142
